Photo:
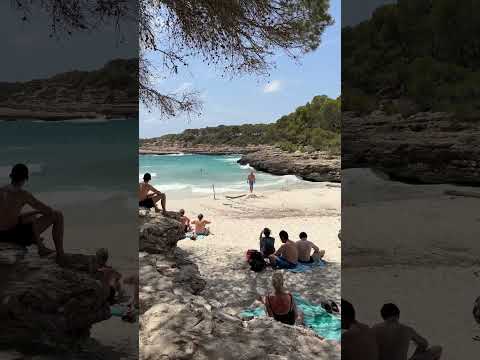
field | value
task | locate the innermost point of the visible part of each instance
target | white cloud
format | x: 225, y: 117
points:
x: 272, y: 86
x: 184, y: 87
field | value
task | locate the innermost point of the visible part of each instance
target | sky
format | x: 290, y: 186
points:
x: 253, y: 99
x: 28, y: 52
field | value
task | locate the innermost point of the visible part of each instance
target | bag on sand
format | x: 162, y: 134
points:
x: 255, y: 260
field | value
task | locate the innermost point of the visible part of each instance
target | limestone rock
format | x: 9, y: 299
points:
x: 43, y: 303
x: 159, y: 234
x: 318, y: 166
x: 425, y: 147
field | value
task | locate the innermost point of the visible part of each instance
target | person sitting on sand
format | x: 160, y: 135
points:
x: 267, y: 243
x: 251, y: 180
x: 305, y: 247
x: 286, y: 256
x: 185, y: 221
x: 358, y: 340
x: 109, y: 276
x: 281, y: 305
x: 393, y: 338
x: 200, y: 225
x: 25, y: 228
x: 149, y: 196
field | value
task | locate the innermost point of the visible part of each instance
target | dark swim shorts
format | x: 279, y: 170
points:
x: 147, y: 203
x: 21, y: 234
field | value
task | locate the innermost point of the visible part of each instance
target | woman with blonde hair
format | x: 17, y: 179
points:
x: 280, y: 305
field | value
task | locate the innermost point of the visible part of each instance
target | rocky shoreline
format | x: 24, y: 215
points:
x: 44, y: 304
x: 426, y: 147
x: 315, y: 167
x: 178, y: 322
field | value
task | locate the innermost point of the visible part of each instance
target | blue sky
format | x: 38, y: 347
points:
x: 253, y: 99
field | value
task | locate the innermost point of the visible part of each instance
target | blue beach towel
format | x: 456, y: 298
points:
x: 190, y: 234
x: 326, y: 325
x: 301, y: 268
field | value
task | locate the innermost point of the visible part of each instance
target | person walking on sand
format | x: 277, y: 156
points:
x: 286, y: 256
x: 25, y: 228
x: 281, y: 305
x: 393, y: 338
x: 200, y: 225
x: 305, y: 247
x: 149, y: 196
x: 358, y: 340
x: 251, y: 180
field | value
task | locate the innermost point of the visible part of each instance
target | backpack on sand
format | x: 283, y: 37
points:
x: 255, y: 260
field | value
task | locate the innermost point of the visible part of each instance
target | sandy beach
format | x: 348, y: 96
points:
x: 415, y: 246
x: 236, y: 226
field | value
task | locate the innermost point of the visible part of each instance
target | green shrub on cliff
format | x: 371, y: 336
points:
x: 315, y: 125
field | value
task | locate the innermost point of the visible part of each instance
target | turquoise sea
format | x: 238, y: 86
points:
x: 184, y: 175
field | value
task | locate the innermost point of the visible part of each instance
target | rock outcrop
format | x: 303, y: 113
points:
x: 424, y: 147
x: 159, y: 147
x: 317, y: 166
x: 177, y: 322
x: 42, y: 303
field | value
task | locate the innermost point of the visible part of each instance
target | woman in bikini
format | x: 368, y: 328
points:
x: 281, y: 305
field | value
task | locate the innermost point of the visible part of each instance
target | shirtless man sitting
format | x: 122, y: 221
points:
x: 149, y: 196
x: 185, y: 221
x: 305, y: 247
x: 286, y: 256
x: 393, y: 338
x: 25, y: 228
x: 200, y: 225
x: 358, y: 340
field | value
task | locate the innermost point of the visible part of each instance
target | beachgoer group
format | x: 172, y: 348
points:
x: 387, y: 340
x: 290, y: 253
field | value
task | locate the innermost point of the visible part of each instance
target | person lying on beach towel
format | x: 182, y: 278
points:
x: 267, y: 243
x: 26, y: 228
x: 305, y: 248
x: 148, y: 196
x: 200, y: 225
x: 358, y: 340
x: 185, y: 221
x: 286, y: 256
x: 280, y: 305
x: 393, y: 338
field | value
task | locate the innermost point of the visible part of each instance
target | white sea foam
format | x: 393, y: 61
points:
x: 245, y: 167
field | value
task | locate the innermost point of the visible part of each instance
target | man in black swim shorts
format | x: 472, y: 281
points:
x: 149, y: 196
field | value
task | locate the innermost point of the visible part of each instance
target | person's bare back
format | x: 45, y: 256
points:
x: 12, y: 201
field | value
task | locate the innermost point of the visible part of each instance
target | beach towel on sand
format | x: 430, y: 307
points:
x: 326, y: 325
x: 189, y: 235
x: 301, y: 268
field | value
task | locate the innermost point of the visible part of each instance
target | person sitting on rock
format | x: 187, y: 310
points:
x: 149, y: 196
x: 305, y: 247
x: 110, y: 277
x: 286, y: 256
x: 25, y: 228
x: 200, y: 225
x: 185, y: 221
x: 281, y: 305
x: 393, y: 338
x: 358, y: 340
x: 267, y: 243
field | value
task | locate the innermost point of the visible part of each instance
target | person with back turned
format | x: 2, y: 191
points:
x: 25, y: 228
x: 393, y: 338
x: 358, y: 340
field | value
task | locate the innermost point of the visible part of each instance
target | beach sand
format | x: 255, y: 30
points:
x: 236, y: 226
x: 417, y: 247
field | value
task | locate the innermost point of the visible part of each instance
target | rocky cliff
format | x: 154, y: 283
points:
x: 317, y: 166
x: 425, y: 147
x: 110, y: 92
x: 42, y: 303
x: 177, y: 322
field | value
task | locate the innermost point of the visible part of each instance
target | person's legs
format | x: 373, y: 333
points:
x: 162, y: 198
x: 282, y: 263
x: 43, y: 223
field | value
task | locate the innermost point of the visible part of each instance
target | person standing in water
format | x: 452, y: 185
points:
x: 25, y: 228
x: 251, y: 181
x: 149, y: 196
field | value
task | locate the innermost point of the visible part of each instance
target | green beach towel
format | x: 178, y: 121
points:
x: 326, y: 325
